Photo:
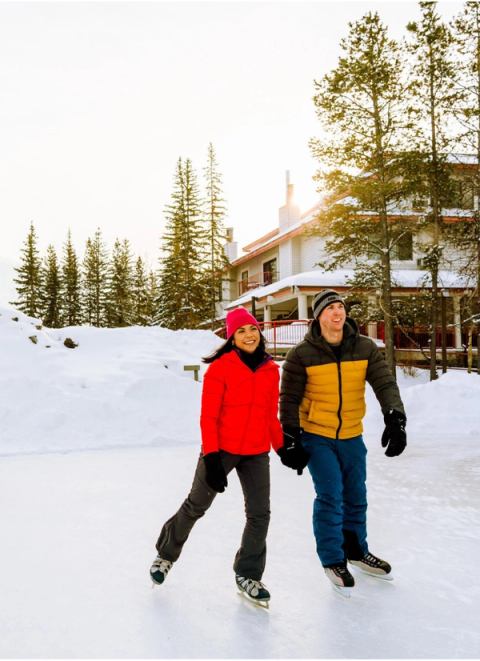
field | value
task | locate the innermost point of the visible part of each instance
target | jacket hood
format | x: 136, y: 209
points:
x: 314, y: 336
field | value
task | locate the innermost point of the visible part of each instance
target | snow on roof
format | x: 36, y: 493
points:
x: 403, y: 278
x: 464, y: 159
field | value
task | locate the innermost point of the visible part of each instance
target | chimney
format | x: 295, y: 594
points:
x: 289, y: 190
x: 231, y: 246
x: 289, y: 214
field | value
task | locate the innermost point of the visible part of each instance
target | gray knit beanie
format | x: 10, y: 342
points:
x: 323, y: 299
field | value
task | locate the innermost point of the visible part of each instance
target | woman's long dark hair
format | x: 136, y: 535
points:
x: 227, y: 346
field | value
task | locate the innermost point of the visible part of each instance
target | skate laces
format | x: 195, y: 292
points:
x: 250, y: 585
x: 371, y: 560
x: 161, y: 565
x: 341, y: 570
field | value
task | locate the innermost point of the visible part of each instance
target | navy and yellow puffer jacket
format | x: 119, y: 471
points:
x: 326, y: 396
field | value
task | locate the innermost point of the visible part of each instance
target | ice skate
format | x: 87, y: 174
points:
x: 159, y: 570
x: 253, y: 590
x: 373, y: 566
x: 341, y: 579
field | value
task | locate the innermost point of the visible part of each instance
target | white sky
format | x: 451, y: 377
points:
x: 98, y: 101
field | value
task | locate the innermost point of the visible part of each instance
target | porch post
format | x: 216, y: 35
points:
x: 372, y: 325
x: 456, y: 321
x: 302, y: 306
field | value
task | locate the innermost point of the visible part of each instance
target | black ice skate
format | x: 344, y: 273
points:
x: 159, y: 570
x: 373, y: 566
x: 341, y: 579
x: 252, y: 590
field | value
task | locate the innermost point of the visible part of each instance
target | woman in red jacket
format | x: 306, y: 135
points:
x: 239, y: 425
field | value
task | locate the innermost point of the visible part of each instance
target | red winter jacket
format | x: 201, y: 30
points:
x: 240, y: 407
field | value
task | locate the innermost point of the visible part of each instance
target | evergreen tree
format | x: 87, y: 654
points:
x: 70, y: 285
x: 120, y: 304
x: 141, y: 312
x: 95, y: 283
x: 433, y: 94
x: 181, y: 299
x: 361, y: 104
x: 151, y: 311
x: 29, y: 279
x: 215, y: 211
x: 466, y: 236
x: 51, y: 294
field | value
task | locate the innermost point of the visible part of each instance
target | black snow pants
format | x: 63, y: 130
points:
x: 254, y: 475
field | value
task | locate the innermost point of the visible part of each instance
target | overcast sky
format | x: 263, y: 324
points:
x: 98, y: 101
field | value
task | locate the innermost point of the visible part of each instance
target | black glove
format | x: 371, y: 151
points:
x: 216, y: 478
x: 394, y: 438
x: 292, y: 453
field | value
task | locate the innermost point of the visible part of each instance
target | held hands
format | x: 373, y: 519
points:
x: 216, y: 477
x: 292, y: 454
x: 394, y: 438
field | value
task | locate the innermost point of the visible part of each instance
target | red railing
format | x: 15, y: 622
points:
x: 257, y: 280
x: 283, y: 334
x: 280, y: 335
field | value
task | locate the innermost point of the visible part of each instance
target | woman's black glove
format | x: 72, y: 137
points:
x: 292, y: 453
x: 216, y: 477
x: 394, y: 438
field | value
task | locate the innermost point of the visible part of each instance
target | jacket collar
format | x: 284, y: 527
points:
x: 233, y: 357
x: 314, y: 336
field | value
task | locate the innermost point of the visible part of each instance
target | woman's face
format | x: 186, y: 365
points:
x: 247, y: 338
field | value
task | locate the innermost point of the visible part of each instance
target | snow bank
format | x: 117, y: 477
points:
x: 127, y: 387
x: 124, y: 386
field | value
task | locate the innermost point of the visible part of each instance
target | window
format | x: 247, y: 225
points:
x: 403, y: 249
x: 270, y: 271
x: 460, y: 195
x: 243, y: 285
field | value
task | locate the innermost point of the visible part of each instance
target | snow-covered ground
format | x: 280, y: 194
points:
x: 98, y: 446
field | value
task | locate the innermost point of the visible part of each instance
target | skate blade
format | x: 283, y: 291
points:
x: 382, y: 577
x: 346, y: 593
x: 260, y: 603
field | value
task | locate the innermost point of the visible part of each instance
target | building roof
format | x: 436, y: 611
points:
x: 276, y: 236
x: 403, y: 279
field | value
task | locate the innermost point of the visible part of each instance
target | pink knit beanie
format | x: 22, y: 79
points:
x: 239, y: 317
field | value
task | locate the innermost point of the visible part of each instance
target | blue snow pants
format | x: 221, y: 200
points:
x: 339, y: 471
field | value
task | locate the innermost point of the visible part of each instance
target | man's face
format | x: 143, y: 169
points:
x: 332, y: 318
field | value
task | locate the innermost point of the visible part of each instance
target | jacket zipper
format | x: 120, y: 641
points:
x: 339, y: 412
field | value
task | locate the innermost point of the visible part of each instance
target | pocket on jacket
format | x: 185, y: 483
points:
x: 316, y: 412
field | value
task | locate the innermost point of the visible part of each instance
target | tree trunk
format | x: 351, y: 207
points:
x: 434, y: 194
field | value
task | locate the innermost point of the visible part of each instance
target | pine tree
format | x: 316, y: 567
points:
x: 95, y: 272
x: 51, y: 290
x: 29, y: 279
x: 181, y: 299
x: 434, y: 94
x: 70, y: 285
x: 120, y: 304
x: 361, y: 106
x: 466, y: 236
x: 141, y: 310
x: 215, y: 211
x: 152, y: 298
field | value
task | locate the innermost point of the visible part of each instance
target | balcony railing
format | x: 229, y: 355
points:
x: 281, y: 335
x: 257, y: 280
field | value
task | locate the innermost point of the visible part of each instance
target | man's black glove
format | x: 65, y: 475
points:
x: 216, y: 477
x: 292, y: 453
x: 394, y: 438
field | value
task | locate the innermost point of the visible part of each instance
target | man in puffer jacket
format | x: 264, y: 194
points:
x: 322, y: 404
